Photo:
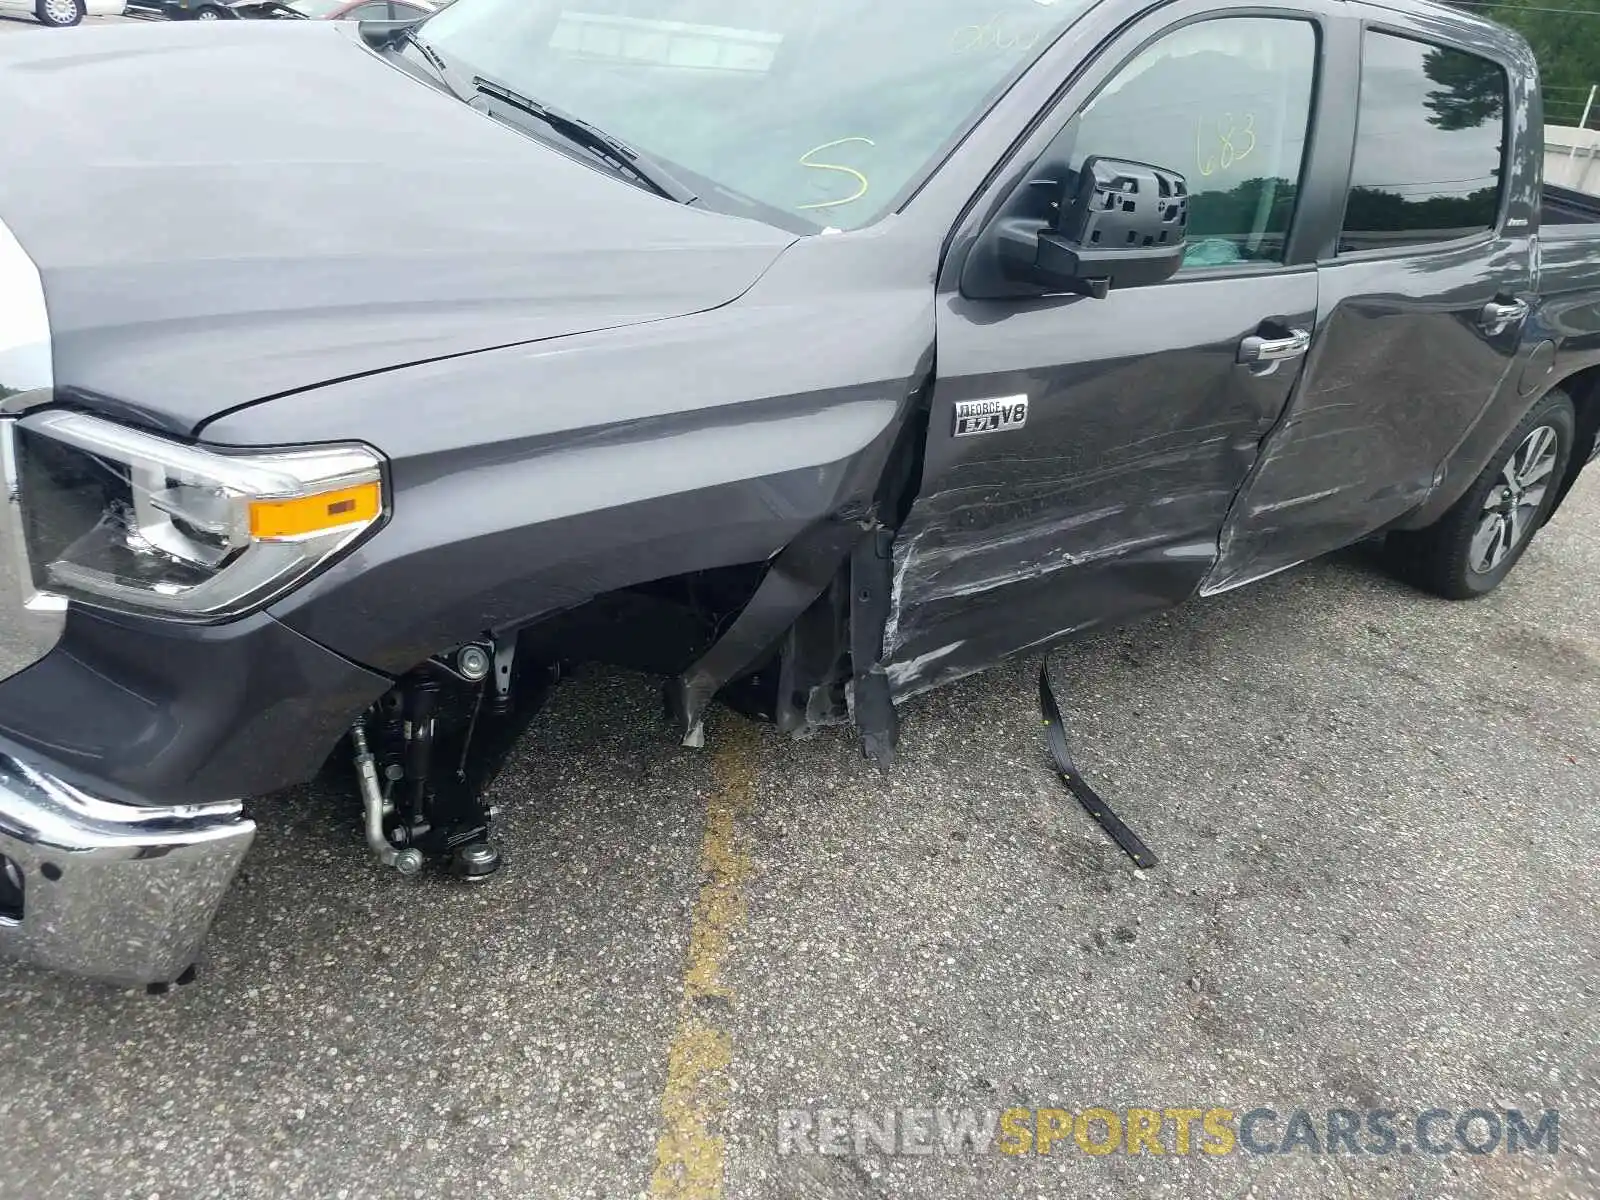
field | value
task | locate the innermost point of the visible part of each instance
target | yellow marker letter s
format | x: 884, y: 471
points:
x: 861, y: 180
x: 1218, y: 1124
x: 1016, y: 1131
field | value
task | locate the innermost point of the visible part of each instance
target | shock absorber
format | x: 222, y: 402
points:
x: 421, y: 701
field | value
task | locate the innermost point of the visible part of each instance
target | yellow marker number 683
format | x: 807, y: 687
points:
x: 1222, y: 141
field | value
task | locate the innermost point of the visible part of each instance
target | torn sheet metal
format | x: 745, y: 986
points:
x: 796, y: 577
x: 871, y: 703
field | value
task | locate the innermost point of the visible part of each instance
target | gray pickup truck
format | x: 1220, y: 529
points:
x: 810, y: 356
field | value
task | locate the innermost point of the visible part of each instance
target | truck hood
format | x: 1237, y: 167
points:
x: 222, y: 213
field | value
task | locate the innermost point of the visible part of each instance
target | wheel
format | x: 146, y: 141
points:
x: 59, y: 14
x: 208, y: 12
x: 1476, y: 543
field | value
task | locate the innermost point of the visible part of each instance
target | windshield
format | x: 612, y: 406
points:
x: 823, y: 109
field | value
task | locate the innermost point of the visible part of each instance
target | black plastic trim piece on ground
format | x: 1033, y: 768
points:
x: 1055, y: 737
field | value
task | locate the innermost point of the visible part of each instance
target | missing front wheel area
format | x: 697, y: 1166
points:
x: 426, y: 753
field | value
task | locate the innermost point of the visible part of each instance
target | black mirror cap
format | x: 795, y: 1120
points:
x: 1117, y: 204
x: 1121, y: 224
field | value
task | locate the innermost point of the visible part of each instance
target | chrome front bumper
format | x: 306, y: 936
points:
x: 117, y: 891
x: 113, y: 891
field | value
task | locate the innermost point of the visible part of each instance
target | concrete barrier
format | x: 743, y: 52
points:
x: 1572, y: 157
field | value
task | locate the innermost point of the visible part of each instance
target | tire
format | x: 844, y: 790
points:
x: 208, y: 12
x: 59, y: 14
x: 1474, y: 546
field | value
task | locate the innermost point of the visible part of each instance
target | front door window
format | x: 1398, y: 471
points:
x: 1226, y: 104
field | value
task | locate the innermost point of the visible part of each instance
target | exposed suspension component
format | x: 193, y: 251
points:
x: 376, y: 808
x: 426, y: 752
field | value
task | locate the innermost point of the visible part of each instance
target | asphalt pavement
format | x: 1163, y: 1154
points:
x: 1377, y: 816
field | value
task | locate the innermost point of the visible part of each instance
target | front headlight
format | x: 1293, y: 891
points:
x: 125, y: 519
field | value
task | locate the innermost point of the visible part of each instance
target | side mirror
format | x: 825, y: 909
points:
x: 1119, y: 224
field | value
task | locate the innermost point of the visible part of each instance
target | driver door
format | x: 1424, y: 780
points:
x: 1142, y: 419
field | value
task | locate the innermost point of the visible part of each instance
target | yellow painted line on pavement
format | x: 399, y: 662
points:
x: 691, y: 1152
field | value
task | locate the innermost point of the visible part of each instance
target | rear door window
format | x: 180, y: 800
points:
x: 1430, y: 145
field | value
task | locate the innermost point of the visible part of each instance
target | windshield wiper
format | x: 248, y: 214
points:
x: 610, y: 149
x: 386, y: 35
x: 408, y: 34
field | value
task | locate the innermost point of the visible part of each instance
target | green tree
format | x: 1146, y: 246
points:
x: 1470, y: 90
x: 1567, y: 45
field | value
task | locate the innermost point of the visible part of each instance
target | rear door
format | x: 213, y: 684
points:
x: 1422, y: 297
x: 1141, y: 422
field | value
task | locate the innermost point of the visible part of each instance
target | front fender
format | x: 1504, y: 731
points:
x: 528, y: 480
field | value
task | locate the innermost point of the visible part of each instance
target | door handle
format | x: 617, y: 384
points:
x: 1499, y: 315
x: 1255, y: 350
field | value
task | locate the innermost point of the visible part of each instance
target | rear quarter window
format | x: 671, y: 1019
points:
x: 1430, y: 145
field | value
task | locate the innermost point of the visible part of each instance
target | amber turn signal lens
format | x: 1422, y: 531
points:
x: 313, y: 514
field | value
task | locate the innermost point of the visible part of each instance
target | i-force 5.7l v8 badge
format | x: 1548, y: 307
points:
x: 990, y: 416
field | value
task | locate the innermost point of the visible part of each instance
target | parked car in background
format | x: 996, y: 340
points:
x: 62, y: 13
x: 294, y: 10
x: 186, y: 10
x: 330, y: 10
x: 363, y: 10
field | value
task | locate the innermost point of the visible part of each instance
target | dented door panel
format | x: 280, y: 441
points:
x: 1398, y: 372
x: 1406, y: 361
x: 1141, y: 426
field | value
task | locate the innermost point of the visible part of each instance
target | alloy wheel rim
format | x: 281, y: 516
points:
x: 61, y: 12
x: 1514, y: 501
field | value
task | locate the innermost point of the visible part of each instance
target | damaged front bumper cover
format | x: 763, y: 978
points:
x: 116, y: 892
